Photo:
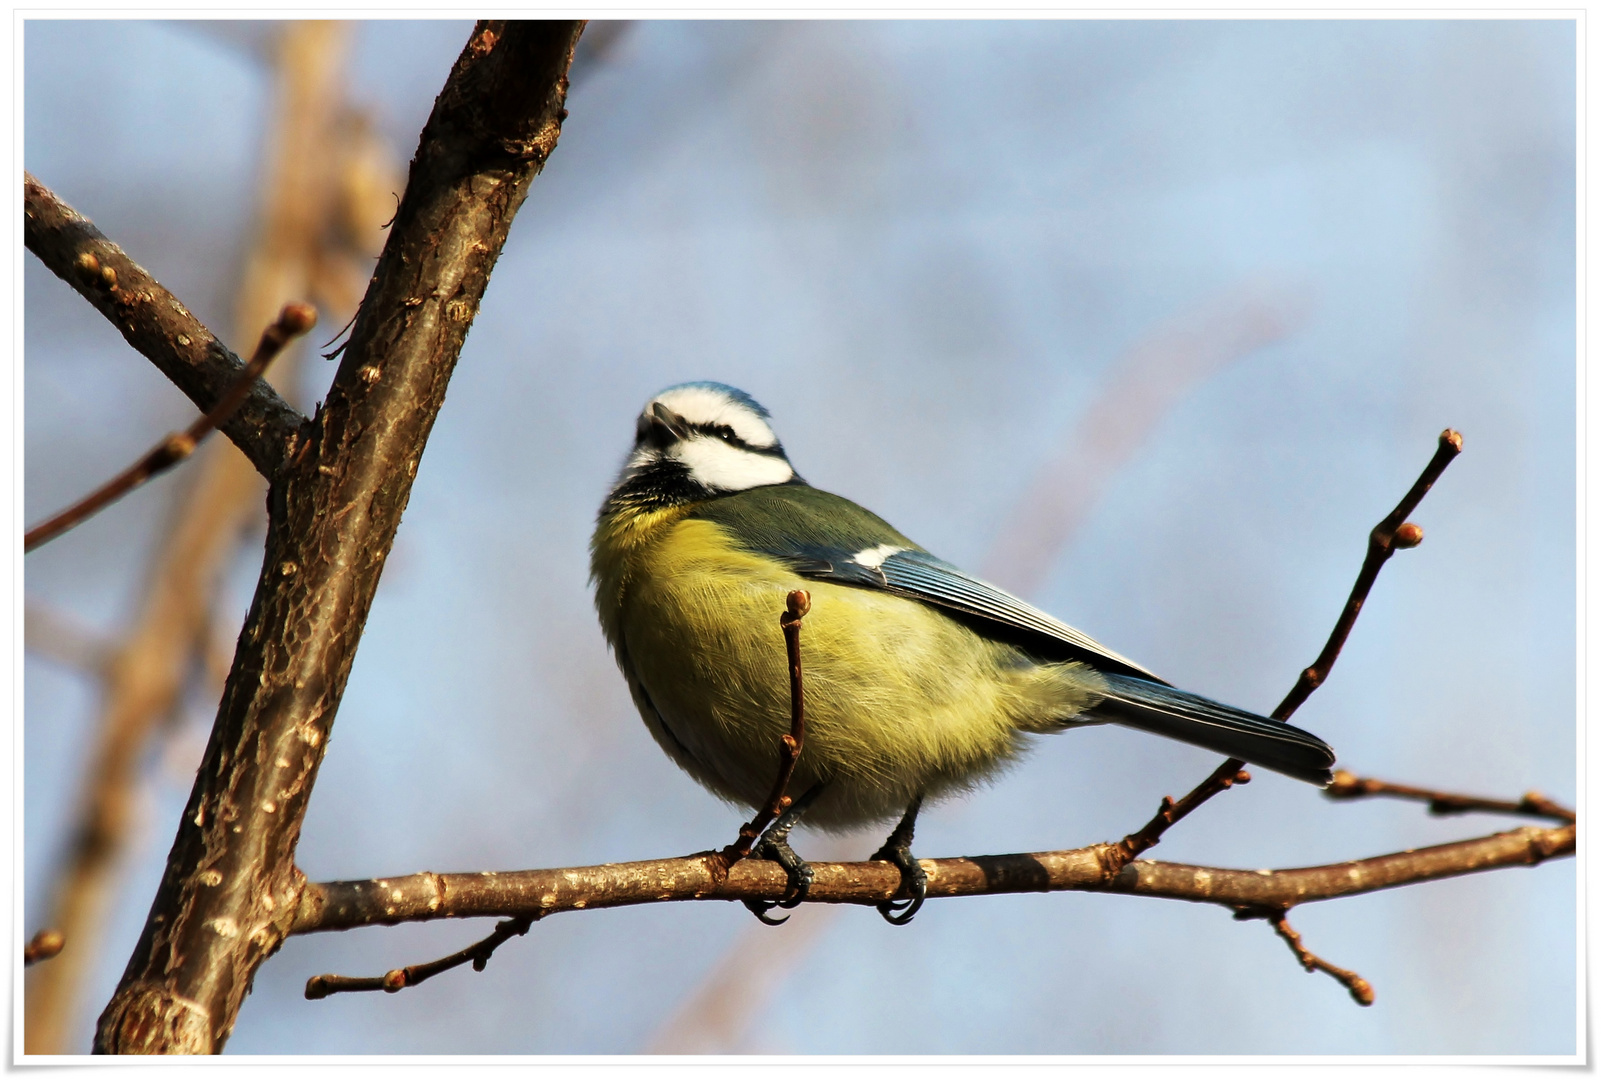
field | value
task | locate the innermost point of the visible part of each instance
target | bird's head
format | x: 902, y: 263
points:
x: 698, y: 440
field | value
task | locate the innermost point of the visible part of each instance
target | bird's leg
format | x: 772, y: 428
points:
x: 774, y: 845
x: 914, y: 882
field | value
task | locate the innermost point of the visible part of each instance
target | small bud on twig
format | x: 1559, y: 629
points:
x: 1408, y: 536
x: 42, y: 946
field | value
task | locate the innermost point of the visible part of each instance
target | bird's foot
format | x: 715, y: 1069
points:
x: 774, y: 845
x: 914, y: 881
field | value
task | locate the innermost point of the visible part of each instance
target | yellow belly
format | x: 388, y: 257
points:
x: 900, y: 699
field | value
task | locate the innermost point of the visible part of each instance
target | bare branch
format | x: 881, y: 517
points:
x: 1533, y: 804
x: 231, y: 889
x: 292, y: 321
x: 343, y: 905
x: 1360, y: 989
x: 153, y: 321
x: 320, y: 986
x: 1388, y: 535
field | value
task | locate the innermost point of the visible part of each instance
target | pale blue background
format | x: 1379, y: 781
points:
x: 924, y: 245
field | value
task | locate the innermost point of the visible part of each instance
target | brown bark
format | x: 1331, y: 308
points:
x: 172, y: 630
x: 231, y: 889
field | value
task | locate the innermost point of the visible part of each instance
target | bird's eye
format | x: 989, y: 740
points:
x: 725, y: 433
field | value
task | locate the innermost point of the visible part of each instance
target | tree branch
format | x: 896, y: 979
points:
x: 230, y: 890
x: 152, y: 320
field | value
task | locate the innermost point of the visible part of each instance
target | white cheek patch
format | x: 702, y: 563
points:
x: 873, y: 557
x: 703, y: 405
x: 727, y: 468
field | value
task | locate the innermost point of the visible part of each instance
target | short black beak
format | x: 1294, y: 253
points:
x: 667, y: 426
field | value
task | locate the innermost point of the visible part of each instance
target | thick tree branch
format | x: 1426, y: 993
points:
x: 344, y: 905
x: 152, y: 320
x: 230, y: 890
x: 173, y: 638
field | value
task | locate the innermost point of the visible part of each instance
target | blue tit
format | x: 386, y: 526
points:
x: 921, y: 680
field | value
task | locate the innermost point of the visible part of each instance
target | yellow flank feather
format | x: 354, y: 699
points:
x: 693, y: 620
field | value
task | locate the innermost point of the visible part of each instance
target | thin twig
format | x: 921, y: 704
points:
x: 1388, y: 535
x: 1533, y: 804
x: 1360, y: 989
x: 797, y: 604
x: 397, y: 979
x: 42, y: 946
x: 294, y: 320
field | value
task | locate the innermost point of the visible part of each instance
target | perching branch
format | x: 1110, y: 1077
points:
x: 292, y: 321
x: 344, y: 905
x: 152, y: 320
x: 230, y: 890
x: 1388, y: 535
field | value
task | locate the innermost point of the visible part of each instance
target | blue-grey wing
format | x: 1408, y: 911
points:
x: 915, y: 573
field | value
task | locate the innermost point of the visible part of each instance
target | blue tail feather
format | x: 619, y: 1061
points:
x: 1177, y: 714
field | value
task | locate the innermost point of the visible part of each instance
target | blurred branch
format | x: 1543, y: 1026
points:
x: 152, y: 320
x: 230, y: 890
x: 294, y: 320
x: 344, y: 905
x: 174, y: 632
x: 1388, y: 535
x: 56, y: 635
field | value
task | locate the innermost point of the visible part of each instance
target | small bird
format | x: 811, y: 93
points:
x: 920, y: 680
